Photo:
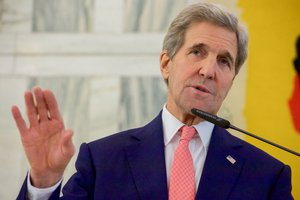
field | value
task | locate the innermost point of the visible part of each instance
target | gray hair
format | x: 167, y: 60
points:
x: 206, y: 12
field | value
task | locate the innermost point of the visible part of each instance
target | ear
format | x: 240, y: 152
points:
x: 164, y: 64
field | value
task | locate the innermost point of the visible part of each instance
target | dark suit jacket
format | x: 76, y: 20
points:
x: 131, y: 165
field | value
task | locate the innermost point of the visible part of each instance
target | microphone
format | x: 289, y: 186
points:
x: 223, y: 123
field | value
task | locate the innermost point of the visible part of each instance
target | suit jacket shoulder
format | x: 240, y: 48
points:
x: 126, y: 165
x: 236, y: 169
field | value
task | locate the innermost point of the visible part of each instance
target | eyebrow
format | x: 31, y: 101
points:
x: 198, y: 46
x: 224, y: 53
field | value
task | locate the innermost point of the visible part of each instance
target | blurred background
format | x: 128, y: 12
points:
x: 101, y: 59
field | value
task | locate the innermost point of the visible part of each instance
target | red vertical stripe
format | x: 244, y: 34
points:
x: 294, y: 104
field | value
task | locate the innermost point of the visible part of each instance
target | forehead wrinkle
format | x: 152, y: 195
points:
x: 216, y: 36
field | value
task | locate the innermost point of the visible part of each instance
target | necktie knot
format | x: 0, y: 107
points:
x: 187, y: 133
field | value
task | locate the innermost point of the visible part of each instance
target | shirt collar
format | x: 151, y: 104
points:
x: 171, y: 125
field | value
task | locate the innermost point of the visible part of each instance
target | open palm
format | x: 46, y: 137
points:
x: 48, y: 146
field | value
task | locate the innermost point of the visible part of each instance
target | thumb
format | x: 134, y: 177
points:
x: 68, y: 148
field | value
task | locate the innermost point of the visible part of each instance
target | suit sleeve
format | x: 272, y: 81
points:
x: 283, y: 186
x: 81, y: 185
x: 24, y: 195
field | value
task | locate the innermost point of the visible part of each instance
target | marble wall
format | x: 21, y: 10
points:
x: 101, y: 59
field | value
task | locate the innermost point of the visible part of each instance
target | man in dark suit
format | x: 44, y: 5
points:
x: 203, y: 51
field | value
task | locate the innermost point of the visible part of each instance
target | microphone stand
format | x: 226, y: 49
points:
x: 223, y: 123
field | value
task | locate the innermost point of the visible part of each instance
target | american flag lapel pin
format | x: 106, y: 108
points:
x: 231, y: 159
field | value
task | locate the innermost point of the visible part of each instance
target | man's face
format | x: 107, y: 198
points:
x: 202, y: 71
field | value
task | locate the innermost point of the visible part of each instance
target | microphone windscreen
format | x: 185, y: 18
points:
x: 211, y: 118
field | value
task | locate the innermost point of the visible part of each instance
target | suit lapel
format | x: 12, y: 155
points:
x: 147, y: 161
x: 222, y: 167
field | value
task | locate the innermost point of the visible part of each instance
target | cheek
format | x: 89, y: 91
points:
x: 176, y: 84
x: 224, y: 89
x: 179, y: 79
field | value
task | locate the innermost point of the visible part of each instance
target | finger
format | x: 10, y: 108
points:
x: 19, y: 120
x: 41, y: 104
x: 31, y: 109
x: 52, y: 105
x: 68, y: 148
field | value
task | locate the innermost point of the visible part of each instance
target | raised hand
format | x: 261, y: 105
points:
x: 47, y: 144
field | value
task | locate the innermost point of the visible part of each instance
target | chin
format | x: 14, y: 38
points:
x: 206, y: 106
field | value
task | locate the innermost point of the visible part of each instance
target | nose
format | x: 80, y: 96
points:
x: 207, y: 68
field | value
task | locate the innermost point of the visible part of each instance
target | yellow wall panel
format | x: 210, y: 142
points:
x: 273, y: 28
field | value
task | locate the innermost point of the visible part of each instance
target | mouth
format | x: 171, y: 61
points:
x: 201, y: 88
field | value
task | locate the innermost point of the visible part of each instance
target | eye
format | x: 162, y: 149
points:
x: 224, y: 62
x: 195, y: 52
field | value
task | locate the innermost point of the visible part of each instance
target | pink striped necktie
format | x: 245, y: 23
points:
x: 182, y: 178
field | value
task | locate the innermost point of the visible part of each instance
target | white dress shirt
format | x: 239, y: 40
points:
x: 198, y: 147
x: 34, y: 193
